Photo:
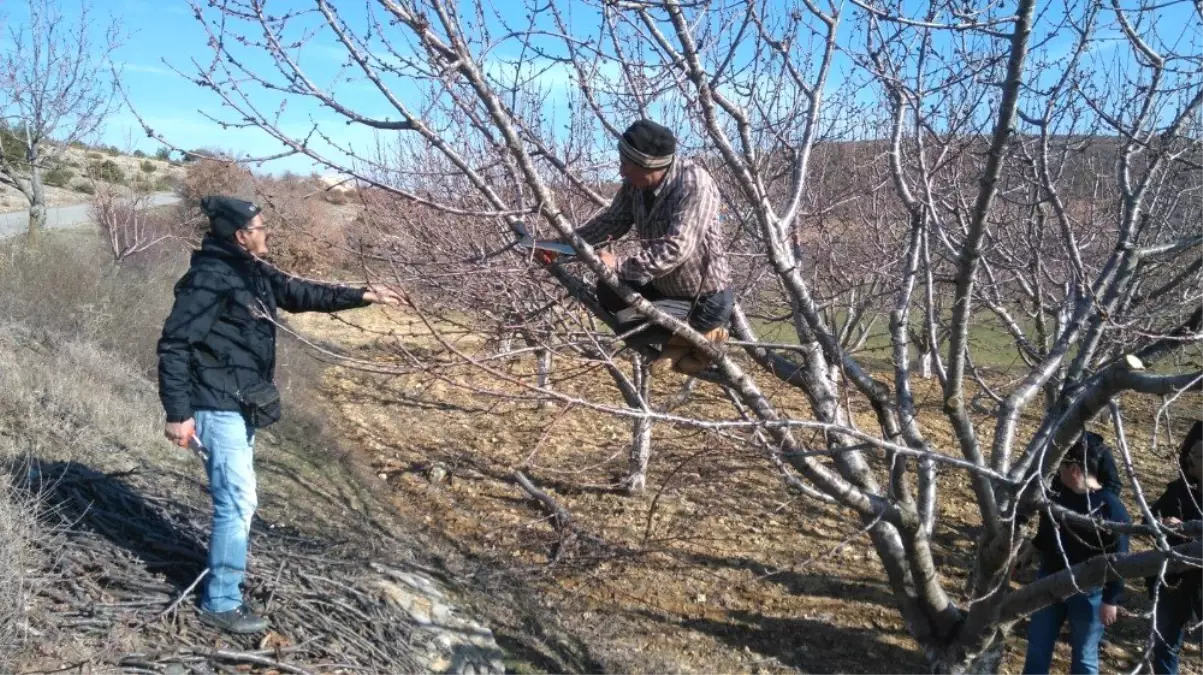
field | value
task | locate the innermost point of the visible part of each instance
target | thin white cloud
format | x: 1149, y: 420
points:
x: 146, y: 68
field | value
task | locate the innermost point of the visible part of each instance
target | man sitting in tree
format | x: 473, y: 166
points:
x: 682, y: 269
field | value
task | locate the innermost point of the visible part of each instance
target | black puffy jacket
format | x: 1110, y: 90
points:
x: 1058, y: 542
x: 1183, y: 499
x: 220, y: 336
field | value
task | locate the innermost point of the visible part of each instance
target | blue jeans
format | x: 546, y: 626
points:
x: 230, y: 442
x: 1085, y: 633
x: 1175, y: 607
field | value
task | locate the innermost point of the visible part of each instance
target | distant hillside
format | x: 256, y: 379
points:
x: 71, y: 180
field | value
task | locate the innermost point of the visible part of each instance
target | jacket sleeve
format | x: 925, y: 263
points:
x: 1113, y: 591
x: 1166, y: 505
x: 1175, y: 502
x: 1044, y: 541
x: 199, y: 299
x: 612, y: 222
x: 297, y: 295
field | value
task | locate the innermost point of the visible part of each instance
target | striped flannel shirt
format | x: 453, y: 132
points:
x: 683, y: 253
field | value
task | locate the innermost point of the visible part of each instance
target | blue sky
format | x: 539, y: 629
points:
x: 164, y: 37
x: 163, y: 34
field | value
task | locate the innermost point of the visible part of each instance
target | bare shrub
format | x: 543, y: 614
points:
x: 118, y: 308
x: 211, y: 176
x: 129, y: 223
x: 306, y: 235
x: 107, y: 171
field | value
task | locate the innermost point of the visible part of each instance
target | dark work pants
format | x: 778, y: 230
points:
x: 703, y: 314
x: 1177, y: 606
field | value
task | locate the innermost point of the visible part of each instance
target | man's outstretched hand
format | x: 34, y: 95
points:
x: 180, y: 432
x: 379, y: 293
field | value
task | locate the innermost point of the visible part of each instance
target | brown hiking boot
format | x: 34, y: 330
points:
x: 676, y: 348
x: 695, y: 361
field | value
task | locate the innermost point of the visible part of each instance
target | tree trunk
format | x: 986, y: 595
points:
x: 641, y: 434
x: 505, y: 345
x: 37, y: 202
x: 954, y: 660
x: 925, y: 365
x: 543, y: 372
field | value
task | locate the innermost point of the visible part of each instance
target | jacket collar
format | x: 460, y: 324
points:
x: 219, y: 247
x: 669, y: 177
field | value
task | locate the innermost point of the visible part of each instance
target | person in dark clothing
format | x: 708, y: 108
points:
x: 1062, y: 544
x: 1108, y: 475
x: 1180, y: 597
x: 217, y: 359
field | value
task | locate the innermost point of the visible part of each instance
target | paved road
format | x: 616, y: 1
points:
x: 59, y: 217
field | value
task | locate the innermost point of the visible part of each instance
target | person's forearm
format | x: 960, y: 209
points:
x: 654, y: 262
x: 596, y: 232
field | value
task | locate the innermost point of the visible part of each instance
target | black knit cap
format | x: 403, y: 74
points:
x: 1086, y: 452
x: 650, y: 145
x: 227, y: 215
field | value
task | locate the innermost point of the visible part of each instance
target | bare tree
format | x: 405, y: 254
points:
x: 58, y: 89
x: 1004, y: 183
x: 127, y: 220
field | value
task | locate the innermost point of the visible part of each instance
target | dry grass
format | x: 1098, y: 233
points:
x: 65, y: 401
x: 20, y: 557
x: 718, y: 569
x: 67, y: 285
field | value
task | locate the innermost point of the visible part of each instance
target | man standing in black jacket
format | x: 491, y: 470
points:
x: 217, y: 360
x: 1180, y: 597
x: 1062, y: 545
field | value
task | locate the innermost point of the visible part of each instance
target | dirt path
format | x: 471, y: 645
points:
x: 717, y: 569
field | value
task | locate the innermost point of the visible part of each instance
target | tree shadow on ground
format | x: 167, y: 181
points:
x: 527, y: 631
x: 167, y: 535
x: 535, y: 648
x: 811, y: 645
x: 798, y: 583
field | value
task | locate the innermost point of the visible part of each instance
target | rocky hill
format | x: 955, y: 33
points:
x: 72, y: 179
